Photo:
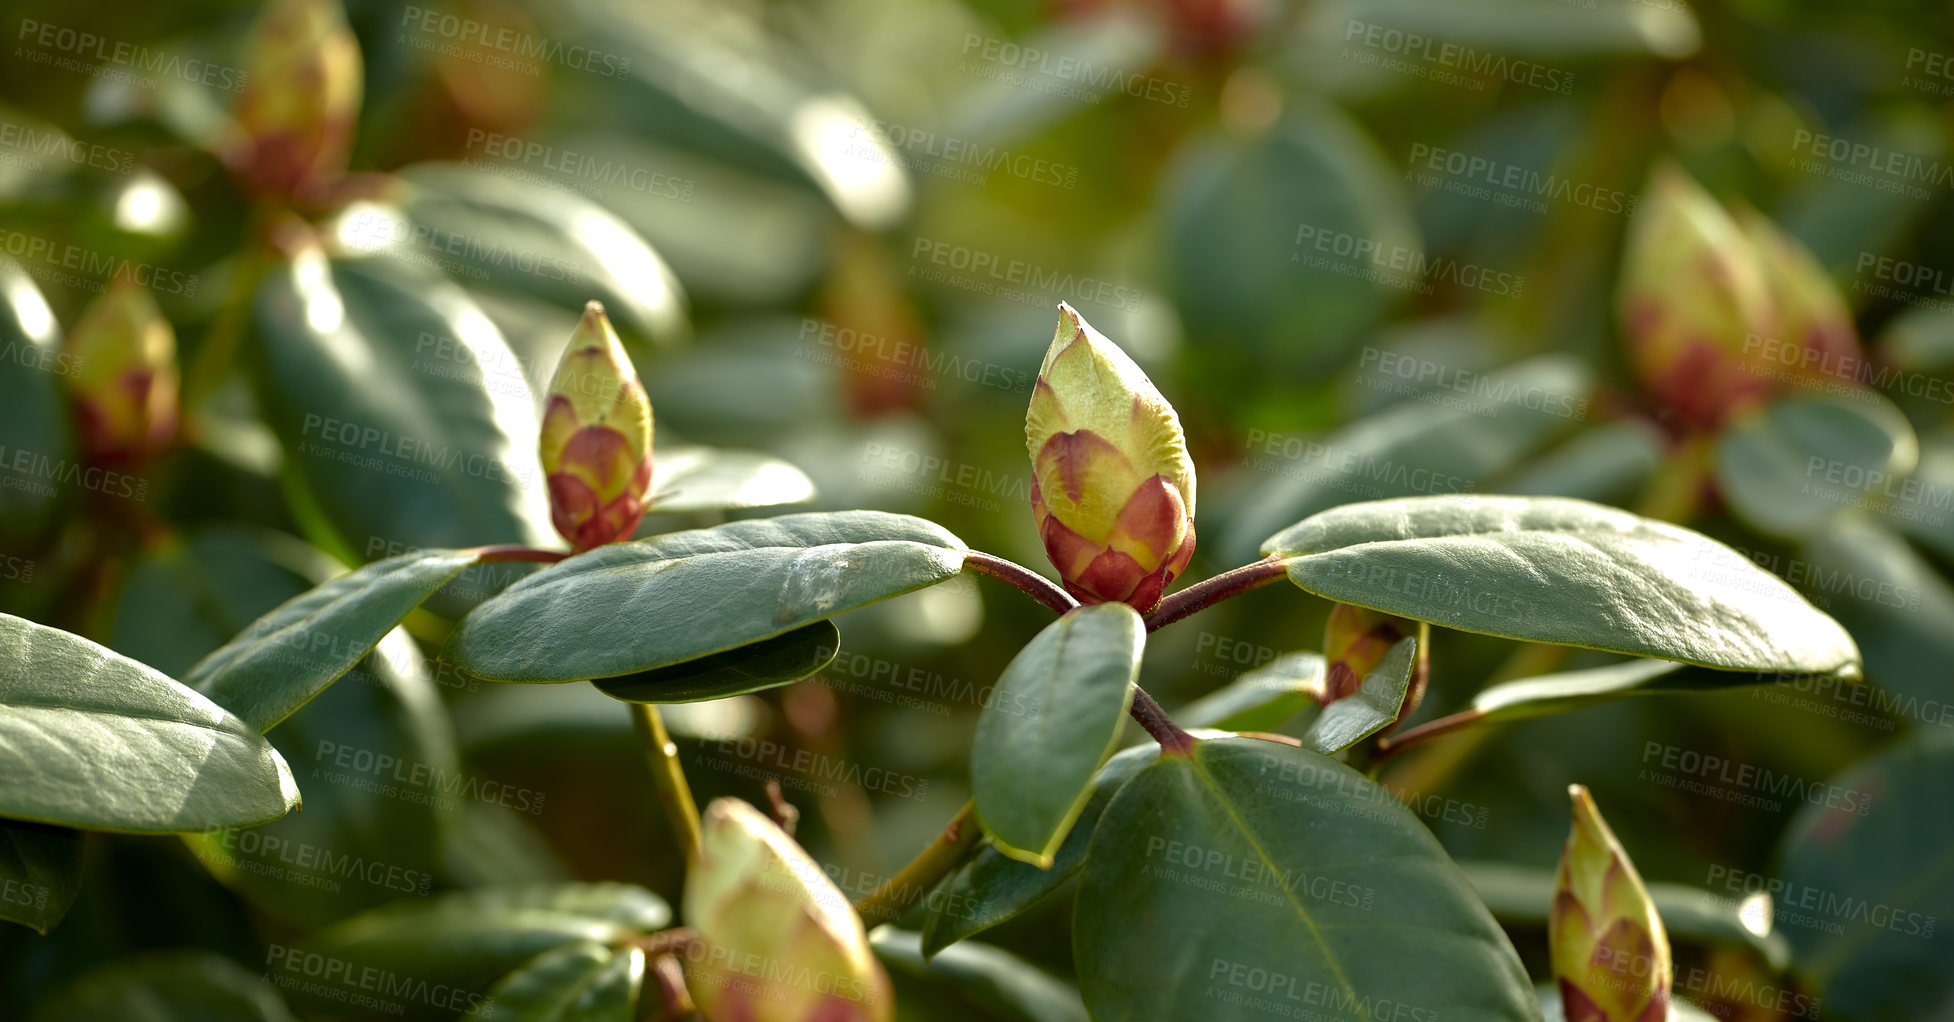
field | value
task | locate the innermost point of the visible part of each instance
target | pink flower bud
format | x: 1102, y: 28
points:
x: 778, y: 941
x: 1112, y: 484
x: 1610, y: 952
x: 301, y: 97
x: 1355, y: 641
x: 125, y: 382
x: 596, y: 438
x: 1694, y: 303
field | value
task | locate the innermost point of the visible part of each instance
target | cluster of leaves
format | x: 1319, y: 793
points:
x: 315, y: 567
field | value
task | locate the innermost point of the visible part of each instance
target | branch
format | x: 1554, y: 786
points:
x: 930, y: 865
x: 1394, y: 744
x: 1210, y: 591
x: 1162, y: 727
x: 673, y: 793
x: 1036, y: 586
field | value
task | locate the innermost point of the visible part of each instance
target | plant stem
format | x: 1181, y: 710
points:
x: 1036, y: 586
x: 1394, y: 744
x: 1210, y: 591
x: 1162, y: 727
x: 673, y: 793
x: 930, y: 865
x: 514, y: 552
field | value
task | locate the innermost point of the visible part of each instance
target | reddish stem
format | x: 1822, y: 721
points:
x: 1034, y: 585
x: 1391, y: 746
x: 1162, y: 727
x: 1210, y: 591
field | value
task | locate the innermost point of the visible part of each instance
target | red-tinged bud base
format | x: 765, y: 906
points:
x: 1577, y: 1007
x: 1095, y: 573
x: 586, y: 523
x: 132, y: 434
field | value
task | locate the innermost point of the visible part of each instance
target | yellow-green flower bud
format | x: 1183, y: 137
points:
x: 1813, y: 332
x: 1693, y: 302
x: 1112, y: 484
x: 778, y: 941
x: 124, y: 385
x: 1610, y: 953
x: 301, y: 97
x: 1355, y: 641
x: 596, y: 438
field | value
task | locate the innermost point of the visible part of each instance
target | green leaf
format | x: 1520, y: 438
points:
x: 373, y: 379
x: 689, y: 479
x: 1057, y: 716
x: 1517, y: 27
x: 40, y: 873
x: 1263, y: 699
x: 990, y: 886
x: 1567, y: 572
x: 1899, y: 608
x: 1376, y: 703
x: 1922, y: 507
x: 168, y: 986
x: 582, y: 982
x: 1005, y: 987
x: 1252, y: 876
x: 469, y: 939
x: 383, y: 785
x: 291, y: 654
x: 1523, y: 894
x: 546, y: 243
x: 1790, y: 467
x: 1866, y: 898
x: 1238, y: 271
x: 1572, y: 690
x: 1414, y: 447
x: 630, y: 607
x: 34, y: 416
x: 769, y: 663
x: 185, y: 597
x: 92, y: 739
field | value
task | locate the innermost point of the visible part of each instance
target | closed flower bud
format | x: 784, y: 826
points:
x: 1355, y: 641
x: 301, y: 97
x: 778, y: 941
x: 596, y: 441
x: 1112, y: 484
x: 1813, y: 331
x: 1694, y: 303
x: 125, y: 381
x: 1610, y: 953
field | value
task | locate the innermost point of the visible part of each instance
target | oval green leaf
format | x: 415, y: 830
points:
x: 1567, y: 572
x: 291, y: 654
x: 1263, y: 699
x: 1792, y: 466
x: 632, y: 607
x: 769, y: 663
x: 1057, y: 716
x: 40, y: 872
x: 1252, y: 877
x: 471, y: 938
x: 1003, y: 986
x: 1866, y: 899
x: 546, y: 243
x: 92, y: 739
x: 990, y: 886
x: 372, y: 379
x: 1365, y: 712
x: 581, y: 982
